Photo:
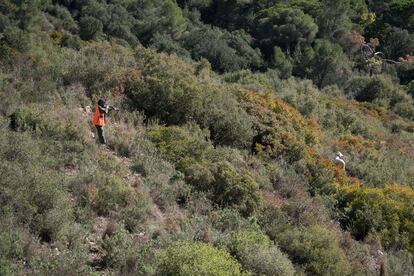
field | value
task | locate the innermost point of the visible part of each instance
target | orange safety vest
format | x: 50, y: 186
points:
x: 98, y: 117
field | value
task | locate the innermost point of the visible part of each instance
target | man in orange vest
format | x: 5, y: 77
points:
x: 99, y: 118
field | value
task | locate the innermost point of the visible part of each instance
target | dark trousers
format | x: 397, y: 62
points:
x: 101, y: 134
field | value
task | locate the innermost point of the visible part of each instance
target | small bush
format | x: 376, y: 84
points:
x: 36, y: 197
x: 12, y: 242
x: 181, y: 146
x: 257, y: 254
x: 112, y: 195
x: 181, y: 98
x: 383, y: 210
x: 316, y: 249
x: 183, y: 258
x: 230, y: 220
x: 49, y: 124
x: 89, y: 27
x: 236, y: 189
x: 381, y: 91
x: 121, y: 254
x: 400, y: 263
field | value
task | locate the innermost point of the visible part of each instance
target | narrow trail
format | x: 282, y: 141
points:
x: 101, y: 225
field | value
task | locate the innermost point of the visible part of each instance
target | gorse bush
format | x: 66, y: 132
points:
x: 48, y: 124
x: 381, y: 210
x: 120, y: 252
x: 183, y: 147
x: 317, y: 249
x: 225, y: 51
x: 183, y: 258
x: 375, y: 163
x: 12, y: 244
x: 257, y: 254
x: 183, y: 100
x: 37, y: 198
x: 281, y: 130
x: 381, y: 91
x: 235, y: 189
x: 190, y: 152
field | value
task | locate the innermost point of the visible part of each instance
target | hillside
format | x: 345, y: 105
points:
x: 221, y: 160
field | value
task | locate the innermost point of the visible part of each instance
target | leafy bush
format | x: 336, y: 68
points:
x: 381, y: 91
x: 96, y: 73
x: 257, y: 254
x: 400, y: 263
x: 374, y: 163
x: 89, y: 27
x: 12, y: 242
x: 384, y: 210
x: 284, y: 26
x: 183, y: 147
x: 49, y: 124
x: 398, y: 43
x: 325, y: 63
x: 120, y: 251
x: 316, y: 249
x: 183, y: 258
x: 33, y: 191
x: 189, y: 152
x: 282, y: 63
x: 225, y: 51
x: 112, y: 194
x: 235, y: 189
x: 228, y: 123
x: 180, y: 98
x: 281, y: 130
x: 164, y: 43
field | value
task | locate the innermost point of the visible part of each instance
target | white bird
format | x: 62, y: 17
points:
x: 339, y: 159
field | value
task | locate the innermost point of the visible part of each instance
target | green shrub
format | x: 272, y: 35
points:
x: 259, y: 82
x: 182, y: 146
x: 165, y: 88
x: 36, y: 196
x: 325, y: 63
x: 71, y: 41
x: 257, y: 254
x: 15, y: 38
x: 137, y: 211
x: 400, y: 263
x: 97, y: 74
x: 121, y: 254
x: 189, y: 150
x: 381, y: 91
x: 63, y: 124
x: 181, y: 97
x: 12, y: 242
x: 48, y: 261
x: 236, y: 189
x: 147, y: 160
x: 8, y: 267
x: 228, y: 123
x: 112, y: 194
x: 284, y: 26
x: 166, y: 44
x: 89, y: 27
x: 316, y: 249
x: 228, y: 220
x: 384, y: 210
x: 224, y: 50
x: 183, y: 258
x: 282, y: 63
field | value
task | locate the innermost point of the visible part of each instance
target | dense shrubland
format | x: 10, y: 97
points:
x: 220, y: 161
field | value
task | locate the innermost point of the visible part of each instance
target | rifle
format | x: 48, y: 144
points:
x: 110, y: 108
